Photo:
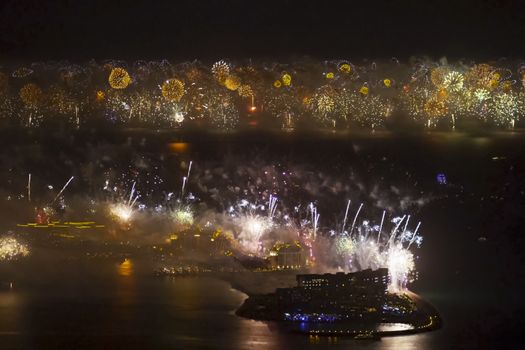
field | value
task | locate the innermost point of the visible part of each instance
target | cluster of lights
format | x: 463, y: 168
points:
x: 368, y: 246
x: 335, y: 93
x: 12, y: 249
x: 255, y: 221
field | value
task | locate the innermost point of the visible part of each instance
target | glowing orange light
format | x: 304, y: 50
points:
x: 178, y: 147
x: 125, y: 268
x: 100, y: 96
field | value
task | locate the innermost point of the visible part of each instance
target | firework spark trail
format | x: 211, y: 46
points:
x: 134, y: 201
x: 346, y: 216
x: 189, y: 170
x: 272, y: 206
x: 355, y: 218
x: 131, y: 193
x: 184, y: 178
x: 315, y: 219
x: 406, y: 224
x: 393, y: 234
x: 63, y: 188
x: 414, y: 237
x: 381, y: 226
x: 29, y: 188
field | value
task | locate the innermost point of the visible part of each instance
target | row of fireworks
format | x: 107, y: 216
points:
x: 254, y: 227
x: 336, y: 93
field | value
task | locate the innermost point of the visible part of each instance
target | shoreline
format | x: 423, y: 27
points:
x: 433, y: 320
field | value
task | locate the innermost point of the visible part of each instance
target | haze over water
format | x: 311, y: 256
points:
x: 109, y: 306
x: 60, y: 301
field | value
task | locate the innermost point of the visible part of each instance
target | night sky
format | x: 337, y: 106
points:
x: 187, y: 29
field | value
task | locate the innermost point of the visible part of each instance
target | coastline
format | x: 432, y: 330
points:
x: 430, y: 322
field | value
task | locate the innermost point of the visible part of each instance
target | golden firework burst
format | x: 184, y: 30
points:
x: 119, y: 78
x: 173, y: 90
x: 245, y: 91
x: 193, y: 74
x: 435, y: 108
x: 287, y: 79
x: 31, y: 95
x: 482, y: 76
x: 232, y: 82
x: 438, y: 74
x: 345, y: 68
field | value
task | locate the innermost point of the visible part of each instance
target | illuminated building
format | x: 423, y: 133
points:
x: 205, y: 242
x: 377, y: 277
x: 325, y: 298
x: 287, y: 256
x: 342, y: 295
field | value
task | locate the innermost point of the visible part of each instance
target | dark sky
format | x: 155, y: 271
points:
x: 186, y: 29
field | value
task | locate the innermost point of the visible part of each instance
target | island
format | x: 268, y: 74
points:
x: 356, y: 304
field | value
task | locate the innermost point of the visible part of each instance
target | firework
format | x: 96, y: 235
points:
x: 434, y: 108
x: 173, y: 90
x: 482, y: 76
x: 29, y: 188
x: 123, y: 211
x: 365, y: 246
x: 63, y: 188
x: 345, y: 68
x: 232, y: 82
x: 453, y: 81
x: 183, y: 215
x: 245, y: 91
x: 220, y: 70
x: 325, y: 93
x: 31, y: 95
x: 323, y: 103
x: 11, y: 249
x: 221, y: 111
x: 286, y: 79
x: 22, y: 72
x: 438, y: 74
x: 253, y: 221
x: 505, y: 109
x: 119, y: 78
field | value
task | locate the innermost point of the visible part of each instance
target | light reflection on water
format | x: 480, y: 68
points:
x: 135, y: 310
x: 394, y: 327
x: 125, y: 268
x: 254, y: 334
